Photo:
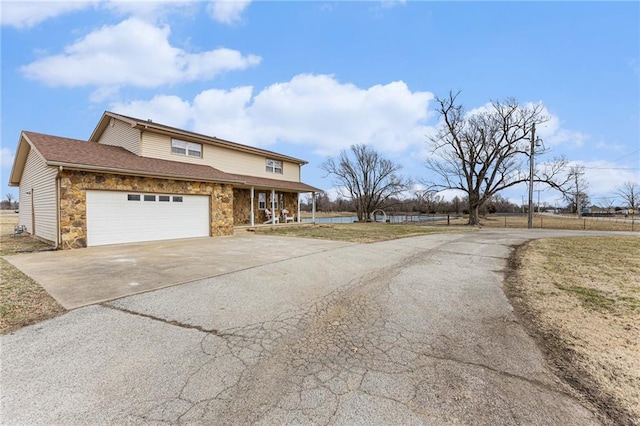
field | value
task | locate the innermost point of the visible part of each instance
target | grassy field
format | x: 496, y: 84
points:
x: 558, y: 222
x: 22, y: 300
x: 581, y: 298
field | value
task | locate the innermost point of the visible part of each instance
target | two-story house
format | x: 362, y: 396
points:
x: 136, y: 180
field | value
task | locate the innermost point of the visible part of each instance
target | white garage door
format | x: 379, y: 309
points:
x: 127, y: 217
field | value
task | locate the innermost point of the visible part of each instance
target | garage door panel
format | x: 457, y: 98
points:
x: 113, y: 219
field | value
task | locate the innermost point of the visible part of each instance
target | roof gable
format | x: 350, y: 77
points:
x: 150, y: 125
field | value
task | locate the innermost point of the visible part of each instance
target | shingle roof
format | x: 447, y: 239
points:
x: 83, y: 155
x: 92, y: 155
x: 276, y: 184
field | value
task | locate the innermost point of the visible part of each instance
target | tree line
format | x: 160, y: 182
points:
x: 478, y: 153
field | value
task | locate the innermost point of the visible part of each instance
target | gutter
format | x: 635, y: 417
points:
x: 90, y: 168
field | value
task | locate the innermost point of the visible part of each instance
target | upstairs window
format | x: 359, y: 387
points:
x: 274, y: 166
x: 189, y: 149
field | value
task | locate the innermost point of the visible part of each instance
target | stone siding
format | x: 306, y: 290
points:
x: 242, y: 205
x: 73, y: 199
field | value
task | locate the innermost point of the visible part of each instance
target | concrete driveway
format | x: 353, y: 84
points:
x: 84, y: 277
x: 412, y: 331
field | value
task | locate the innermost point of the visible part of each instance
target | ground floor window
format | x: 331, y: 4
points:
x: 262, y: 200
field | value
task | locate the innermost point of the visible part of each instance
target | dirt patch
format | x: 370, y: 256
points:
x: 580, y: 298
x: 22, y: 300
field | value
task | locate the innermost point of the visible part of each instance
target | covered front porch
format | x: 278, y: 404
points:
x: 278, y: 203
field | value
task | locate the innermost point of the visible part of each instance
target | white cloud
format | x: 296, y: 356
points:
x: 7, y: 157
x: 316, y: 111
x: 26, y: 14
x: 605, y: 177
x: 169, y: 110
x: 132, y: 53
x: 149, y: 10
x: 552, y: 133
x: 227, y: 11
x: 388, y: 4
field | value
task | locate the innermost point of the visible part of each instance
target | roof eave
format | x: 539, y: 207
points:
x: 20, y: 160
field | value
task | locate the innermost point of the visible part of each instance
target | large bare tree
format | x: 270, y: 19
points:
x: 363, y: 176
x: 630, y: 193
x: 486, y: 151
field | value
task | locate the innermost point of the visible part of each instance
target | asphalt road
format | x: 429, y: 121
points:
x: 411, y: 331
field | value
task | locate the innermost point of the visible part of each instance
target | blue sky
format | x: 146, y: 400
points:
x: 310, y: 78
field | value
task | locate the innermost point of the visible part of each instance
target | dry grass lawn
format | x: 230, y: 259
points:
x: 560, y: 222
x: 357, y: 232
x: 22, y: 300
x: 581, y: 298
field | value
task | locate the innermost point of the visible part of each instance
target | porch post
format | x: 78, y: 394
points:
x: 273, y: 206
x: 313, y: 207
x: 298, y: 208
x: 253, y: 218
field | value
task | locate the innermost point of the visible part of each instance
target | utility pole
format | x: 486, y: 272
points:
x: 531, y: 154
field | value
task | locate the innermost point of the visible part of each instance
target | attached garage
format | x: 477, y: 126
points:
x: 115, y: 217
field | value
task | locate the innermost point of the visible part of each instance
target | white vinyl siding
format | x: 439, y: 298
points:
x: 39, y: 181
x: 115, y: 217
x: 119, y: 133
x: 155, y: 145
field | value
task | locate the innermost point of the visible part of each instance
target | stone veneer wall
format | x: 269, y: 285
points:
x: 242, y: 205
x: 73, y: 199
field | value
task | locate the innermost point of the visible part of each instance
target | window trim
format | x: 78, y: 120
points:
x: 271, y: 166
x: 188, y: 147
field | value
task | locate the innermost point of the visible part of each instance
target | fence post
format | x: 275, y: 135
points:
x: 584, y: 225
x: 447, y: 219
x: 540, y: 222
x: 505, y: 221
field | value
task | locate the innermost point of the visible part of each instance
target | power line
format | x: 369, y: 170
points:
x: 612, y: 168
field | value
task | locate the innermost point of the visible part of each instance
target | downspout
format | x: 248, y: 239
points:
x: 58, y: 228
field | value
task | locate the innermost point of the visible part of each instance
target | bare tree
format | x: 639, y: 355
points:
x: 428, y: 200
x: 362, y: 175
x: 575, y: 188
x: 9, y: 197
x: 607, y: 204
x: 486, y: 151
x: 630, y: 193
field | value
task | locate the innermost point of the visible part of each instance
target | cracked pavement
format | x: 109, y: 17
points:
x: 410, y: 331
